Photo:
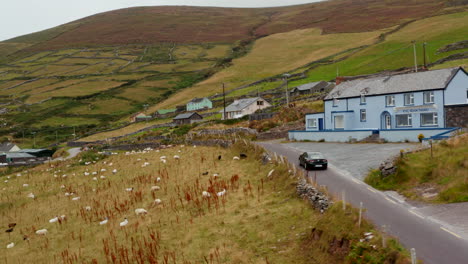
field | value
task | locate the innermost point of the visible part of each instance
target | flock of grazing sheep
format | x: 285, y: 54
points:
x: 71, y: 208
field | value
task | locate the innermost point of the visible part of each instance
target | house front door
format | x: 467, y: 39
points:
x: 388, y: 122
x: 320, y: 124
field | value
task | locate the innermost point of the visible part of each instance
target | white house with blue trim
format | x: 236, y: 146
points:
x: 394, y: 108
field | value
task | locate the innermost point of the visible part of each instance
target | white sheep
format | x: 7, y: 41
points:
x: 54, y: 220
x: 157, y: 201
x: 62, y: 186
x: 88, y: 208
x: 155, y: 188
x: 124, y: 222
x: 10, y: 245
x: 140, y: 211
x: 215, y: 175
x: 103, y: 170
x: 114, y: 171
x: 129, y: 189
x: 102, y: 177
x: 221, y: 193
x: 41, y: 232
x: 25, y: 185
x: 176, y: 157
x: 158, y: 179
x: 94, y: 173
x: 76, y: 198
x: 86, y: 173
x: 103, y: 222
x: 31, y: 195
x: 206, y: 194
x: 270, y: 173
x: 18, y: 175
x: 236, y: 158
x: 94, y: 178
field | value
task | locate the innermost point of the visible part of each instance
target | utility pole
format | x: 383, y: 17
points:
x: 415, y: 60
x: 286, y: 75
x: 34, y: 140
x: 424, y: 55
x: 224, y: 104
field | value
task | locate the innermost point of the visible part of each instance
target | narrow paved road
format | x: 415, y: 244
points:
x: 73, y: 152
x: 434, y: 243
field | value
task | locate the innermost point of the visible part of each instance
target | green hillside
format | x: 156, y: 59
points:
x: 55, y: 88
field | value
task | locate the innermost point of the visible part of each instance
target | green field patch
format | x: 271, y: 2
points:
x: 265, y: 86
x: 47, y: 105
x: 113, y: 106
x: 101, y: 68
x: 126, y: 77
x: 66, y: 52
x: 134, y: 66
x: 158, y: 68
x: 140, y: 94
x: 188, y: 52
x: 36, y: 56
x: 195, y: 66
x: 7, y: 48
x: 8, y: 84
x: 158, y: 83
x: 56, y: 70
x: 74, y: 90
x: 9, y: 76
x: 27, y: 87
x: 66, y: 121
x: 57, y: 85
x: 82, y: 61
x: 218, y: 51
x: 88, y: 54
x: 455, y: 63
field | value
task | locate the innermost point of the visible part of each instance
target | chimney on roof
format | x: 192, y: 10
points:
x: 339, y: 80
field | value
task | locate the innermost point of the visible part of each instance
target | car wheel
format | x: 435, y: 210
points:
x: 325, y: 167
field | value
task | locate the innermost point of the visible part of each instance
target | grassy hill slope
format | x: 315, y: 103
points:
x: 183, y: 24
x: 259, y: 219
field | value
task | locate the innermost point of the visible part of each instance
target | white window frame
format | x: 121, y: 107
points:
x: 312, y: 121
x: 390, y: 102
x: 428, y: 95
x: 363, y: 99
x: 408, y: 98
x: 343, y: 122
x: 409, y: 120
x: 363, y: 115
x: 434, y: 118
x: 335, y: 102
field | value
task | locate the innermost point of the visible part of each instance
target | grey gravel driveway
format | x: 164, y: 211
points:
x: 353, y: 159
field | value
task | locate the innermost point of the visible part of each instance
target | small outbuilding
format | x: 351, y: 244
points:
x: 8, y: 146
x: 187, y: 118
x: 38, y: 153
x: 199, y: 103
x: 313, y: 87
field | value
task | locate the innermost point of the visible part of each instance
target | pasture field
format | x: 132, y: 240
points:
x: 134, y: 127
x: 245, y: 217
x: 274, y: 55
x: 105, y: 106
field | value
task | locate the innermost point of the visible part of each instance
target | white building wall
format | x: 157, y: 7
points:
x: 335, y: 136
x: 457, y: 90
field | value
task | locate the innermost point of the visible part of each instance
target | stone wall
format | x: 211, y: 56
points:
x: 456, y: 116
x: 316, y: 198
x: 229, y: 131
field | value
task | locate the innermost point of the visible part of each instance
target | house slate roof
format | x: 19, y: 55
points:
x: 197, y: 100
x: 409, y: 82
x: 308, y: 86
x: 240, y: 104
x: 166, y: 111
x: 7, y: 146
x: 32, y: 150
x: 17, y: 155
x: 184, y: 116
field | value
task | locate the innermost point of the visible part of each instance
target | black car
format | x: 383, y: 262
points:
x: 313, y: 160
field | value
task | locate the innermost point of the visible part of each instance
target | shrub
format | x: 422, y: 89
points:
x: 420, y: 137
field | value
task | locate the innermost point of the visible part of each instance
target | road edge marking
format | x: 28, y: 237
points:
x: 372, y: 190
x: 390, y: 200
x: 450, y: 232
x: 356, y: 181
x: 416, y: 214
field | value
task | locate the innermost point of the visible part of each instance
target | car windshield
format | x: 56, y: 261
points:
x: 315, y: 155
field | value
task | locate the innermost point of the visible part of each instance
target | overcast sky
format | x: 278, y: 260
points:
x: 19, y: 17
